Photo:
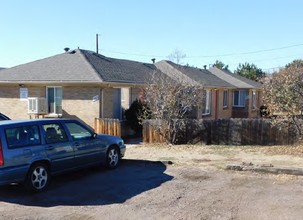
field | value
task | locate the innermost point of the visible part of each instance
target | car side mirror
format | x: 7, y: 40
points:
x: 94, y: 135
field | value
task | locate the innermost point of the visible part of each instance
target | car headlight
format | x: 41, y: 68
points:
x: 121, y: 143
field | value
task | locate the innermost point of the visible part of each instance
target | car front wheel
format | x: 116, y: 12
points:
x: 112, y: 157
x: 37, y: 178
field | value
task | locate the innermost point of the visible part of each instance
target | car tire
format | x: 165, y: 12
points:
x: 112, y: 157
x: 37, y: 178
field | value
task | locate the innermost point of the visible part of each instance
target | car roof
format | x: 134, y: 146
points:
x: 11, y: 122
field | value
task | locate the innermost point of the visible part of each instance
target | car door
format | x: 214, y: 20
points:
x: 58, y: 147
x: 88, y: 148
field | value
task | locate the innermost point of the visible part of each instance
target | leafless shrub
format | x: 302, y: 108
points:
x: 170, y: 100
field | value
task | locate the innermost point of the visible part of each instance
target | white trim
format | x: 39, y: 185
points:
x: 54, y: 113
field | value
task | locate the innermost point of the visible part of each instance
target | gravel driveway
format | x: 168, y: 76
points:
x: 167, y: 182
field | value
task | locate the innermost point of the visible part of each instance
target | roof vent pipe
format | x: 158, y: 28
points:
x: 66, y: 49
x: 205, y: 66
x: 154, y: 60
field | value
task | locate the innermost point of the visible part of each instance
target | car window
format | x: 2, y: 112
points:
x: 22, y: 136
x: 3, y: 117
x: 54, y: 133
x: 77, y: 131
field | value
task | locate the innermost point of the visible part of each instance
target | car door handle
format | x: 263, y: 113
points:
x: 50, y: 148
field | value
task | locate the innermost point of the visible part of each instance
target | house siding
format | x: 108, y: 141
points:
x: 135, y: 94
x: 108, y: 103
x: 217, y: 110
x: 78, y: 103
x: 224, y: 112
x: 10, y: 103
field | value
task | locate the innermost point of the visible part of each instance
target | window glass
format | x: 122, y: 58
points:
x: 242, y: 97
x: 239, y: 98
x: 225, y: 98
x: 254, y: 100
x: 54, y: 133
x: 22, y: 136
x: 206, y: 102
x: 77, y: 131
x: 236, y: 98
x: 54, y: 100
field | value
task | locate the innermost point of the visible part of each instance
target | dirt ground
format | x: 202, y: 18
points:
x: 169, y: 182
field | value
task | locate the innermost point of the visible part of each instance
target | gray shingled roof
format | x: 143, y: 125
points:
x: 79, y: 66
x: 234, y: 79
x: 201, y: 76
x: 118, y: 70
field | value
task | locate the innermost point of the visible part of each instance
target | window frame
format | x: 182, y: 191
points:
x: 225, y: 98
x: 59, y: 113
x: 206, y: 102
x: 254, y: 100
x: 83, y: 127
x: 240, y: 91
x: 21, y: 144
x: 47, y: 125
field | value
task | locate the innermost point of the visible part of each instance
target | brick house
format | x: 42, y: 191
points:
x: 226, y: 95
x: 76, y: 84
x: 217, y: 99
x: 246, y: 95
x: 85, y: 85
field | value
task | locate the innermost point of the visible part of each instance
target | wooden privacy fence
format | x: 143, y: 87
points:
x: 227, y: 132
x: 150, y: 132
x: 108, y: 126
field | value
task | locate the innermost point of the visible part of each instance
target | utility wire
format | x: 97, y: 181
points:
x: 251, y: 52
x: 209, y: 56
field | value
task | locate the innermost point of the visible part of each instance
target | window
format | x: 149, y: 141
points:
x: 22, y: 136
x: 206, y: 102
x: 239, y: 98
x: 225, y: 98
x: 54, y: 100
x: 254, y: 100
x: 78, y: 132
x: 54, y: 133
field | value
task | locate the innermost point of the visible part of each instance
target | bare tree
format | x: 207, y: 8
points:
x: 170, y: 100
x: 283, y: 95
x: 176, y: 56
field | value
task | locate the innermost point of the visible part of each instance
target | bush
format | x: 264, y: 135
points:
x: 137, y: 112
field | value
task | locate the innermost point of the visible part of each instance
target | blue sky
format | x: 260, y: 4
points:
x: 267, y: 33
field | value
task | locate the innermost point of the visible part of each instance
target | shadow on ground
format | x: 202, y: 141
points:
x: 93, y: 186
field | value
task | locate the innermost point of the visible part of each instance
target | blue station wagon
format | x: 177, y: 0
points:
x: 31, y: 151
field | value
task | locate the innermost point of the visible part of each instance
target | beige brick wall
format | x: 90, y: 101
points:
x: 134, y: 94
x: 227, y: 111
x: 10, y: 103
x: 217, y: 109
x: 108, y: 100
x: 78, y: 103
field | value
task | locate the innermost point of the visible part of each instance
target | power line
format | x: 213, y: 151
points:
x: 208, y: 56
x: 251, y: 52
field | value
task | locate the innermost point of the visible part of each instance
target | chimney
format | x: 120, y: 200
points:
x: 154, y: 60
